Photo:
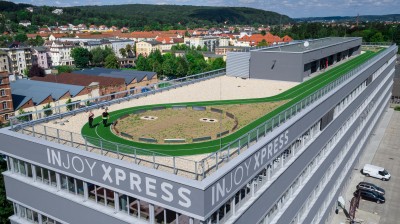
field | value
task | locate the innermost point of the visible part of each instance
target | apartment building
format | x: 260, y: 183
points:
x: 6, y: 103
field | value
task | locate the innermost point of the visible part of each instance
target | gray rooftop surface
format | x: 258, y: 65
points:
x: 128, y: 75
x: 299, y: 47
x: 23, y: 90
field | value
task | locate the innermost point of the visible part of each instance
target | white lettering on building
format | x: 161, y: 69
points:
x: 250, y: 166
x: 134, y: 182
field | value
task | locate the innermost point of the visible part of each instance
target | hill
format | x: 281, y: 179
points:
x: 361, y: 18
x: 140, y: 16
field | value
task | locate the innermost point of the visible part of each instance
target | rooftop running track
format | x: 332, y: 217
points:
x: 295, y: 94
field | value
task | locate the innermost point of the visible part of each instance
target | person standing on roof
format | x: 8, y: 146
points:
x: 105, y: 117
x: 91, y: 118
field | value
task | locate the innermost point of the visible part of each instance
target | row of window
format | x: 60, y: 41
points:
x: 271, y: 215
x: 344, y: 151
x: 97, y: 194
x: 267, y: 175
x: 365, y: 107
x: 32, y: 216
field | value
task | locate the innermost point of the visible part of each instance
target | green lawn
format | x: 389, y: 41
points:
x: 295, y: 94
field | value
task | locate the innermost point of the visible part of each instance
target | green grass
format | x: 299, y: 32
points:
x: 295, y: 94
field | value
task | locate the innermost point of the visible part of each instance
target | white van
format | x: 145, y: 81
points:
x: 375, y: 171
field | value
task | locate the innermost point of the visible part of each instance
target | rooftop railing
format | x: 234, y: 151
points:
x: 191, y: 168
x: 73, y: 108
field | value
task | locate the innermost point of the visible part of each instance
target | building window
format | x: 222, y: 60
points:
x: 2, y: 92
x: 6, y: 117
x: 4, y: 105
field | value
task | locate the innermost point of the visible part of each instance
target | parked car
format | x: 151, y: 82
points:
x: 375, y: 171
x: 370, y: 187
x: 370, y: 196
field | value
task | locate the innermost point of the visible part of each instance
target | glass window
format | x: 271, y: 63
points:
x: 64, y: 184
x: 123, y: 203
x: 38, y: 173
x: 53, y: 178
x: 46, y: 177
x: 71, y: 185
x: 16, y: 168
x: 22, y: 167
x: 29, y: 170
x: 79, y: 187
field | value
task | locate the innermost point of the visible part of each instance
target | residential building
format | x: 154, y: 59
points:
x: 57, y: 11
x: 41, y: 57
x: 106, y: 85
x: 144, y: 48
x: 116, y: 45
x: 134, y: 80
x: 290, y: 168
x: 255, y: 39
x: 32, y: 95
x: 211, y: 42
x: 25, y: 23
x: 19, y: 58
x: 4, y: 64
x: 60, y: 52
x: 6, y: 103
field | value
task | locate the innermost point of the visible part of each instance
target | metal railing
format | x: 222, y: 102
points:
x: 73, y: 108
x: 195, y: 169
x: 234, y: 148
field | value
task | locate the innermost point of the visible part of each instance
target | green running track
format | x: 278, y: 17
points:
x: 295, y: 94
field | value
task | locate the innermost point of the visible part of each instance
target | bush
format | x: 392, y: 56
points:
x: 397, y: 108
x: 47, y: 112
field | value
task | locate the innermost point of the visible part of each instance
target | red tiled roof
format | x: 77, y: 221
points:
x: 81, y: 80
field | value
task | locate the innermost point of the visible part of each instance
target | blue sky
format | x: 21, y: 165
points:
x: 292, y: 8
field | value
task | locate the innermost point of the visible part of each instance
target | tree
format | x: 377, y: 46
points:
x: 198, y: 48
x: 262, y: 43
x: 39, y: 40
x: 377, y: 37
x: 21, y: 37
x: 26, y: 72
x: 36, y: 71
x: 47, y: 109
x: 204, y: 48
x: 6, y: 207
x: 141, y: 63
x: 97, y: 56
x: 64, y: 69
x: 122, y: 51
x: 111, y: 61
x: 69, y: 107
x: 182, y: 67
x: 218, y: 63
x: 81, y: 57
x: 169, y: 66
x: 263, y: 32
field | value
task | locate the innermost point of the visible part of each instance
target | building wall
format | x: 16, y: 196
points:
x: 258, y: 208
x: 276, y: 66
x: 42, y: 59
x: 4, y: 64
x: 19, y: 59
x: 293, y: 66
x: 5, y: 98
x: 265, y: 202
x: 237, y: 64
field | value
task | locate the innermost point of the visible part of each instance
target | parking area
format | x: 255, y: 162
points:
x: 382, y: 150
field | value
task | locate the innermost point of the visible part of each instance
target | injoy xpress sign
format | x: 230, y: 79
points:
x: 151, y: 187
x: 166, y: 190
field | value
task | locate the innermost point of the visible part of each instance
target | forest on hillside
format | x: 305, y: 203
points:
x: 139, y: 16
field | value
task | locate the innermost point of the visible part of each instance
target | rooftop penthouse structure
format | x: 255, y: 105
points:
x: 281, y: 151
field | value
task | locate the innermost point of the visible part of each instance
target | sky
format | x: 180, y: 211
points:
x: 292, y: 8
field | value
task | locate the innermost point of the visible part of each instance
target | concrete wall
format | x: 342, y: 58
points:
x: 276, y: 66
x: 237, y: 64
